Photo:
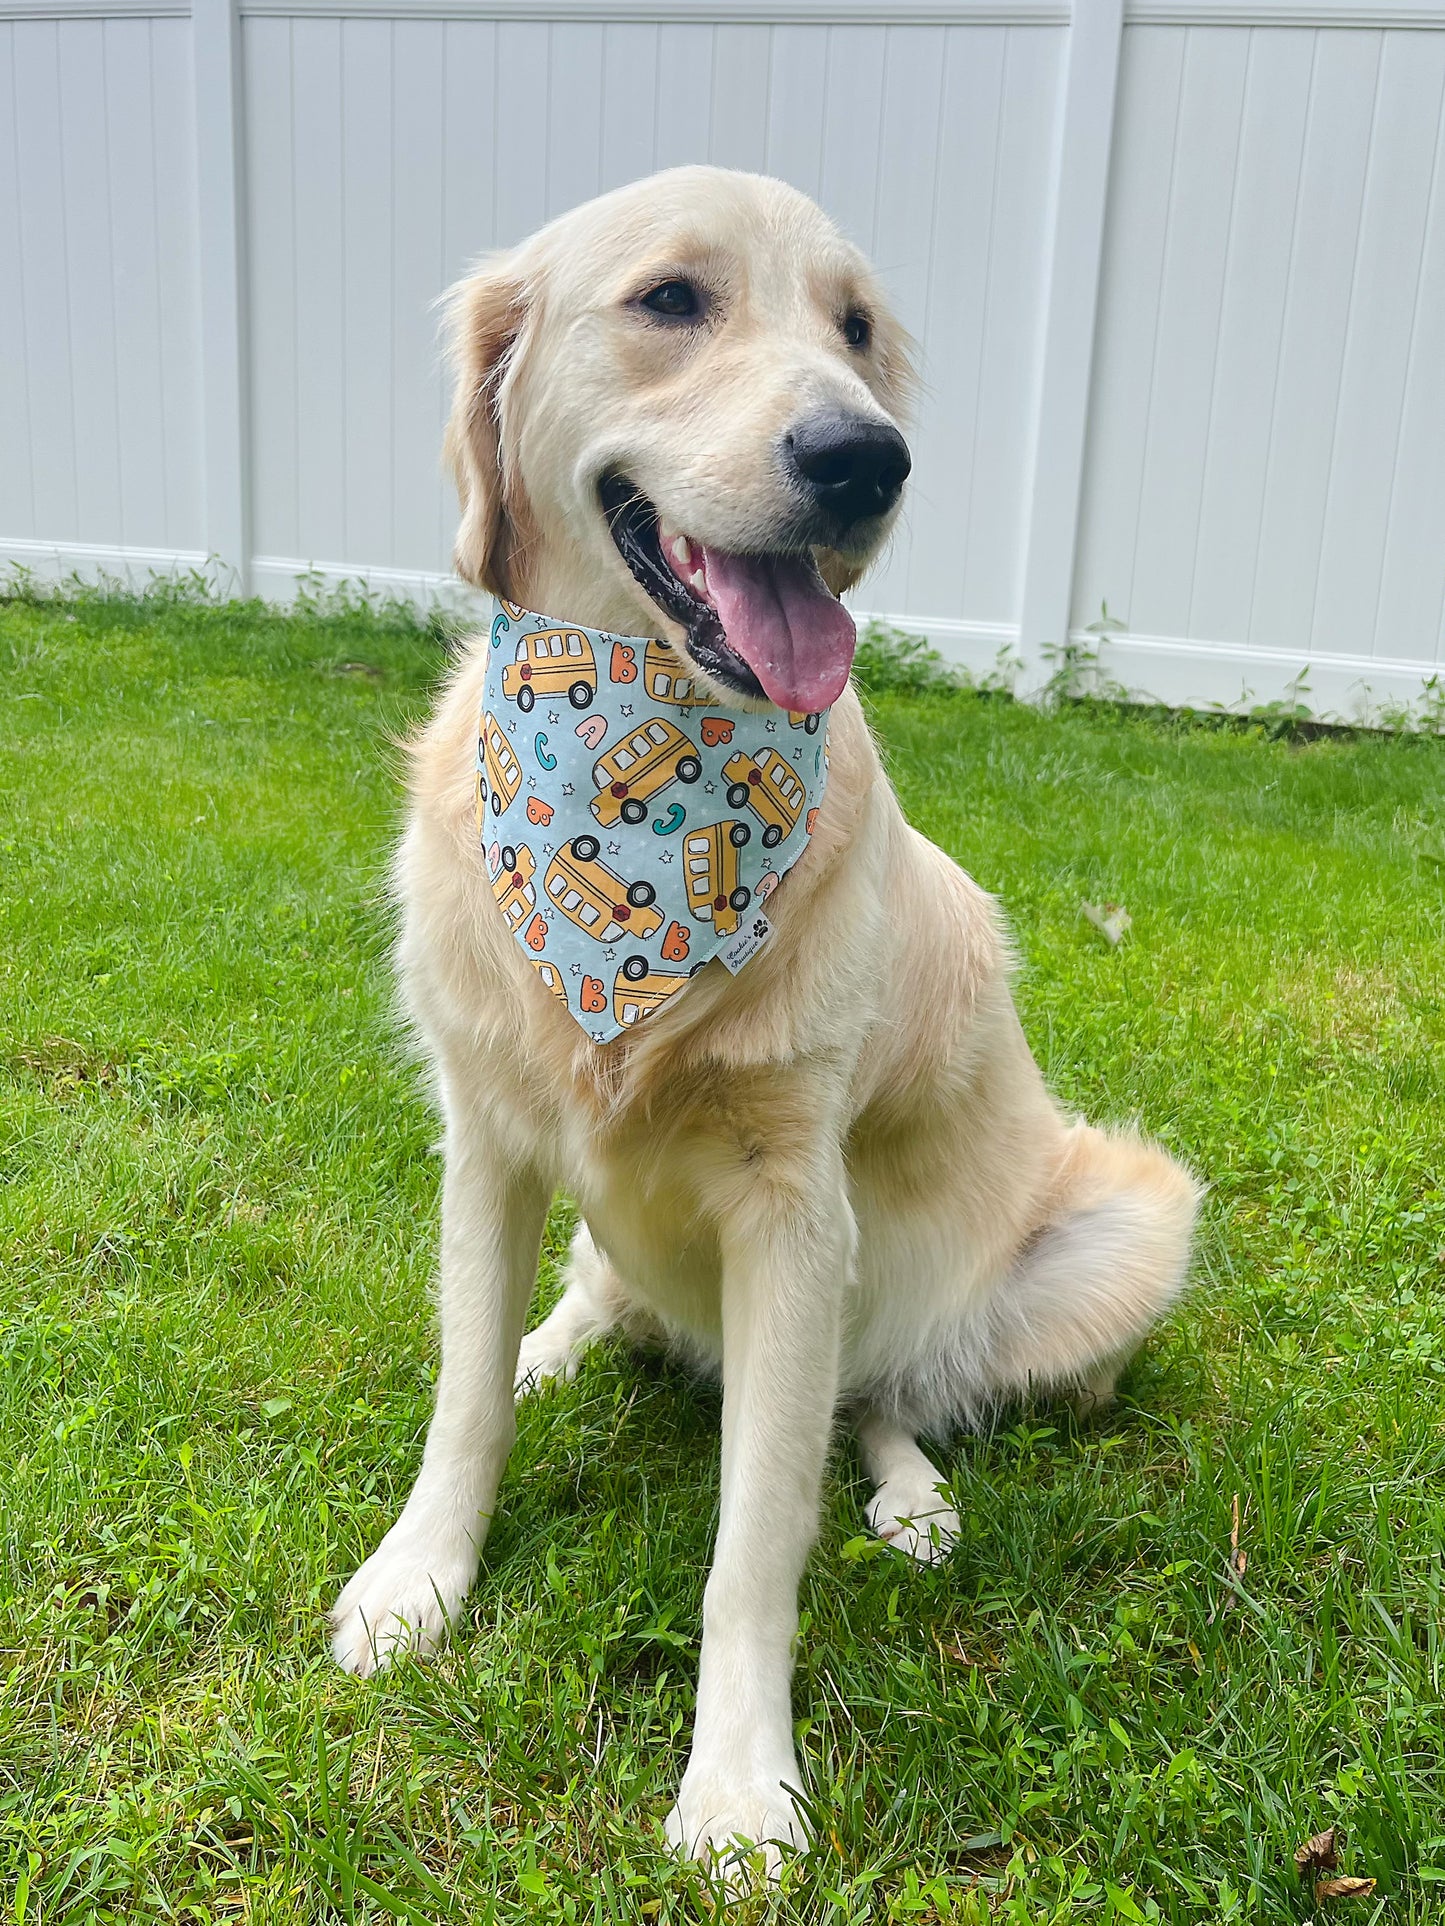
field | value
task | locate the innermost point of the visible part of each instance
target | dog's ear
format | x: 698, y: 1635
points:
x: 484, y: 318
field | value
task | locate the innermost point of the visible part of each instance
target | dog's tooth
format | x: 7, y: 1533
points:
x: 698, y: 580
x: 681, y: 550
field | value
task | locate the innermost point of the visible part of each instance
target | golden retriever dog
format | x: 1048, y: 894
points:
x: 835, y: 1178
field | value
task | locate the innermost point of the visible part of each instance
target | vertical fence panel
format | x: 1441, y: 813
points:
x: 1246, y: 347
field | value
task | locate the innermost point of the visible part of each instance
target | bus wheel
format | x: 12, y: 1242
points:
x: 739, y: 834
x: 633, y: 811
x: 772, y: 836
x: 738, y: 795
x: 811, y: 721
x: 688, y: 769
x: 497, y: 803
x: 580, y: 694
x: 585, y: 848
x: 509, y: 859
x: 740, y: 899
x: 635, y: 968
x: 525, y: 698
x: 640, y: 894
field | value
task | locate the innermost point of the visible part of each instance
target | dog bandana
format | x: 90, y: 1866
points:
x: 633, y: 829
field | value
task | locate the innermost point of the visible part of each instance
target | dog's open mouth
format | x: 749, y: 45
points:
x: 765, y: 625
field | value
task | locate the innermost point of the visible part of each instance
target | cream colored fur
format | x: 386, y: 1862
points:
x: 838, y: 1177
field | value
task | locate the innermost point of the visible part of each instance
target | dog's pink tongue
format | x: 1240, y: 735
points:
x: 779, y: 616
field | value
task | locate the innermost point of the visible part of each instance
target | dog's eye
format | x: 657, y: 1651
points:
x: 677, y: 300
x: 857, y: 330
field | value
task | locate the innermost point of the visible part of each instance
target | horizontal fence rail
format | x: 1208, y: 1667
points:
x: 1176, y: 268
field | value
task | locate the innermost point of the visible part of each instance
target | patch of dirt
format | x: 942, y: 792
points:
x: 64, y: 1068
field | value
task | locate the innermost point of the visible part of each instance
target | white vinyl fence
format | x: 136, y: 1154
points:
x: 1177, y: 269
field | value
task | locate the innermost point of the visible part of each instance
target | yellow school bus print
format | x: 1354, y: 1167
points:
x: 770, y: 787
x: 589, y: 895
x: 551, y: 976
x: 639, y: 990
x: 710, y: 865
x: 641, y: 766
x: 665, y: 678
x: 500, y: 767
x: 512, y: 885
x: 808, y: 719
x: 552, y: 662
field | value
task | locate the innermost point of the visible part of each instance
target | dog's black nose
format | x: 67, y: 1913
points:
x: 851, y: 466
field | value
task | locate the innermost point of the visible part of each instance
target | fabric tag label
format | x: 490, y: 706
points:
x: 748, y: 941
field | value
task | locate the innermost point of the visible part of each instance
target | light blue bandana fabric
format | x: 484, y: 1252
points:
x: 633, y: 830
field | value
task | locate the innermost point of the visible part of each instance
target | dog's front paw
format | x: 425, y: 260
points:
x: 405, y: 1598
x: 730, y: 1823
x: 916, y: 1518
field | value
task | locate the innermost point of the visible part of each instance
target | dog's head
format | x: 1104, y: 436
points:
x: 677, y: 413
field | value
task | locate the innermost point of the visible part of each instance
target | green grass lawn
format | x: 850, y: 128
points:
x: 217, y: 1218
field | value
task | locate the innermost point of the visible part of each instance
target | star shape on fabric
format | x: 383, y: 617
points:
x: 511, y: 728
x: 686, y: 712
x: 576, y: 969
x: 609, y: 956
x: 626, y: 709
x: 614, y: 849
x: 531, y: 782
x: 553, y: 716
x: 667, y: 855
x: 710, y: 788
x: 797, y: 755
x: 772, y: 727
x: 599, y: 1036
x: 567, y: 789
x: 546, y: 849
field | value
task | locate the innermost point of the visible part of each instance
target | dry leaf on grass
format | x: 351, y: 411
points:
x: 1110, y: 919
x: 1344, y: 1888
x: 1318, y: 1853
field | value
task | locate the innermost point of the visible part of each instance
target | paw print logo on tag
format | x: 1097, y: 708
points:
x: 594, y: 994
x: 539, y: 811
x: 676, y: 943
x: 591, y: 732
x: 623, y: 667
x: 537, y: 932
x: 716, y: 729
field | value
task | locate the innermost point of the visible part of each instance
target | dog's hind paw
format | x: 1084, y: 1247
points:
x: 544, y: 1360
x: 404, y: 1599
x: 914, y: 1518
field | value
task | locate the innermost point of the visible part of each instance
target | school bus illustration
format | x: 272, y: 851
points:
x: 512, y: 885
x: 639, y: 989
x: 551, y: 976
x: 552, y: 662
x: 638, y: 768
x: 769, y: 787
x: 710, y: 864
x: 589, y: 895
x: 661, y: 677
x: 500, y: 767
x: 808, y: 719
